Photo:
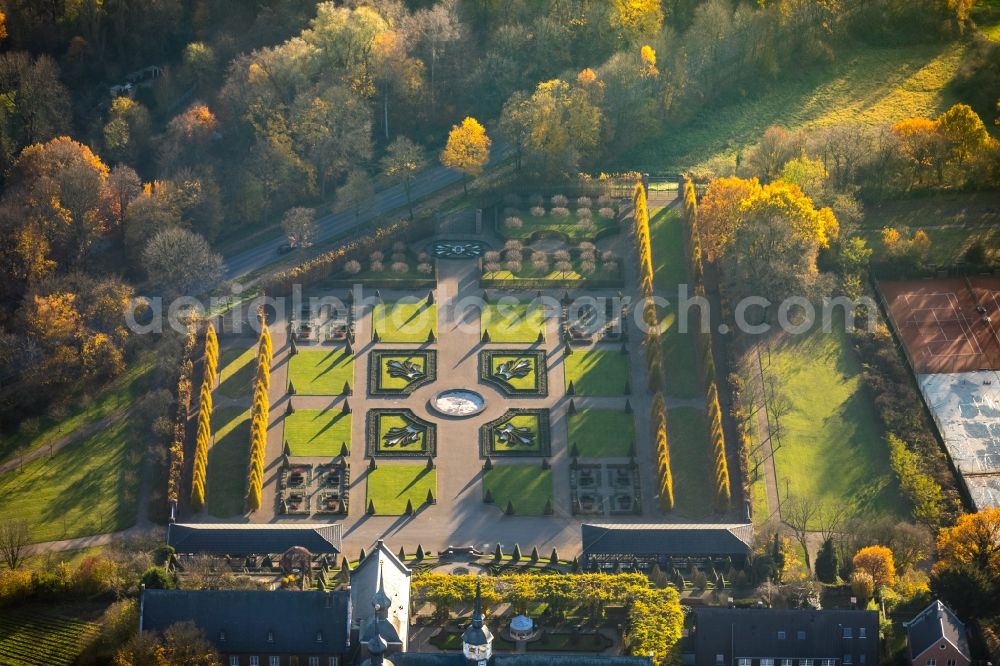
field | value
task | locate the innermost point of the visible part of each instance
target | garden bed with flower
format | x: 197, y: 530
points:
x: 396, y: 267
x: 517, y: 267
x: 580, y: 218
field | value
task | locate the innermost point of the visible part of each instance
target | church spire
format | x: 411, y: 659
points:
x: 380, y: 601
x: 477, y: 640
x: 477, y: 612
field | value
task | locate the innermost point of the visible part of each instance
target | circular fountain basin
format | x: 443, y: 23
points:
x: 458, y: 402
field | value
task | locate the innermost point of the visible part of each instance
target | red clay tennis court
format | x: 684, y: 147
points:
x: 947, y: 325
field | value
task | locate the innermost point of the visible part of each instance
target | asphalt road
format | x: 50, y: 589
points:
x: 329, y: 226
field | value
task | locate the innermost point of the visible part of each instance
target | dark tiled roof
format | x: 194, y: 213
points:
x: 456, y: 659
x: 754, y: 633
x: 252, y: 539
x: 666, y: 539
x: 934, y: 624
x: 245, y: 617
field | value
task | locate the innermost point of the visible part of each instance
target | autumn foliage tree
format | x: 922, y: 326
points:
x: 259, y: 416
x: 877, y: 562
x: 467, y: 150
x: 713, y: 415
x: 204, y: 428
x: 658, y: 417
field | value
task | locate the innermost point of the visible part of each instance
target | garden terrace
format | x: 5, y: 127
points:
x: 513, y: 372
x: 597, y: 372
x: 601, y: 433
x: 526, y: 487
x: 605, y: 489
x: 400, y: 372
x: 407, y: 320
x: 395, y: 267
x: 399, y: 433
x: 392, y: 486
x: 521, y: 432
x: 317, y: 432
x: 513, y: 322
x: 580, y: 218
x: 321, y: 371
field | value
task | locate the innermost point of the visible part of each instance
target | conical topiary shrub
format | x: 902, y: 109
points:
x: 510, y: 508
x: 498, y: 553
x: 430, y: 497
x: 420, y: 553
x: 371, y: 507
x: 347, y: 389
x: 289, y: 409
x: 371, y: 464
x: 486, y: 335
x: 346, y: 408
x: 516, y: 555
x: 572, y: 407
x: 430, y: 336
x: 628, y: 406
x: 291, y: 388
x: 548, y: 507
x: 571, y: 389
x: 488, y: 497
x: 409, y: 508
x: 344, y: 452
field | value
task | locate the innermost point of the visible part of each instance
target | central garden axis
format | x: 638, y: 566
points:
x: 487, y: 400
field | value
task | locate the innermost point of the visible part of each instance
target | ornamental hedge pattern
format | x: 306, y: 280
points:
x: 379, y: 358
x: 487, y: 435
x: 488, y: 371
x: 377, y: 447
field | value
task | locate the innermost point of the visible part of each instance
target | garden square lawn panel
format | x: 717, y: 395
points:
x: 390, y: 486
x: 601, y: 433
x: 228, y: 460
x: 405, y: 321
x: 526, y: 383
x: 317, y: 432
x: 528, y: 487
x: 237, y: 368
x: 321, y: 372
x: 516, y: 322
x: 387, y: 381
x: 597, y: 372
x: 528, y: 422
x: 89, y: 487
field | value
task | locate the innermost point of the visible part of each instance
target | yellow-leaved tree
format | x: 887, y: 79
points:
x: 467, y: 150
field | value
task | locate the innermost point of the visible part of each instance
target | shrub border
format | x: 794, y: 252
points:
x: 372, y: 447
x: 486, y: 375
x: 544, y: 439
x: 375, y: 370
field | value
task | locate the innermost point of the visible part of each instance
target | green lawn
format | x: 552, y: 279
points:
x: 317, y: 432
x: 226, y: 486
x: 404, y: 321
x: 238, y: 365
x: 529, y: 421
x: 597, y: 372
x: 529, y: 487
x: 322, y: 372
x: 120, y: 393
x: 601, y: 433
x: 89, y: 487
x: 390, y: 486
x: 515, y: 322
x: 690, y: 465
x: 831, y: 446
x: 869, y: 85
x: 670, y: 265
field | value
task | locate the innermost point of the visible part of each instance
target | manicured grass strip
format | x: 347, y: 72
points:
x: 37, y: 635
x: 831, y: 447
x: 89, y: 487
x: 687, y: 433
x: 226, y: 487
x: 321, y: 372
x: 317, y: 432
x: 528, y: 487
x: 601, y: 433
x: 404, y: 321
x: 597, y: 372
x: 390, y: 486
x: 516, y: 322
x: 237, y: 368
x: 119, y: 394
x: 670, y: 267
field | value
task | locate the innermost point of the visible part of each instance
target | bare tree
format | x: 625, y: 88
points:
x: 829, y: 519
x: 14, y: 539
x: 797, y: 513
x: 298, y: 225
